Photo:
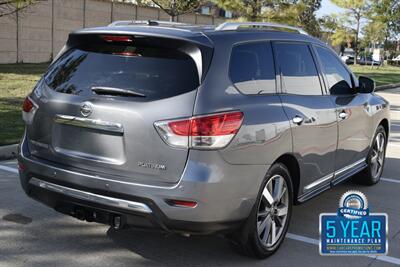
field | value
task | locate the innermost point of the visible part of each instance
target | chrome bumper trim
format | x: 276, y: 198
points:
x: 89, y: 123
x: 109, y: 201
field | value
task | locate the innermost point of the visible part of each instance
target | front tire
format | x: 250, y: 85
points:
x: 267, y: 225
x: 375, y: 160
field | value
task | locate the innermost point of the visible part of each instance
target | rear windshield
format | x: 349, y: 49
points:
x: 154, y: 72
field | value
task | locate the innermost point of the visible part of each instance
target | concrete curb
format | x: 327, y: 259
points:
x: 387, y: 86
x: 8, y: 152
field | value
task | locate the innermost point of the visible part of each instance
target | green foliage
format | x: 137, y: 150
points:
x: 16, y: 82
x: 343, y: 35
x: 375, y: 31
x: 178, y: 7
x: 388, y: 13
x: 307, y: 16
x: 8, y: 7
x: 350, y: 21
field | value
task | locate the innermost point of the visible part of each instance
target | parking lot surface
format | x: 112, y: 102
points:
x: 34, y: 235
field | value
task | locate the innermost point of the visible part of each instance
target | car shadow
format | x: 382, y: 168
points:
x: 178, y: 250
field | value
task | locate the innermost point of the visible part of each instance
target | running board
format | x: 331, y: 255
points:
x: 338, y: 177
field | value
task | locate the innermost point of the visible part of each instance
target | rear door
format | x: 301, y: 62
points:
x: 311, y: 114
x: 98, y: 103
x: 352, y: 111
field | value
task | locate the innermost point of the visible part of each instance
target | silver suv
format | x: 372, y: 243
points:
x: 197, y: 130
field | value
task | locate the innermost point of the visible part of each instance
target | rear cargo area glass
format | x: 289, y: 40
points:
x: 154, y: 72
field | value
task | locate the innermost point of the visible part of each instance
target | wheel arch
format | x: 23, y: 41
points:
x: 385, y: 124
x: 292, y: 164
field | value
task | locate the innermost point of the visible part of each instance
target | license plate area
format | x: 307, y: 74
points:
x: 88, y: 144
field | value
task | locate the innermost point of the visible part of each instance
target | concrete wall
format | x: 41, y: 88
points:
x: 39, y: 32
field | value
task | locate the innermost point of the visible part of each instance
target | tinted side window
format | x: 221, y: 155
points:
x: 338, y: 78
x: 252, y: 68
x: 298, y: 71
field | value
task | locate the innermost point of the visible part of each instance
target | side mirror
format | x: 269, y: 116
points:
x: 365, y: 85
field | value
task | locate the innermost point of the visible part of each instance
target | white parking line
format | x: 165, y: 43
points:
x: 390, y: 180
x: 312, y: 241
x: 8, y: 169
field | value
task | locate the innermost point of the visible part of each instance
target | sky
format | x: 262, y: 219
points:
x: 327, y: 8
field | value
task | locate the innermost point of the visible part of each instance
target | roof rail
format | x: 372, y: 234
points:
x: 232, y: 26
x: 146, y: 22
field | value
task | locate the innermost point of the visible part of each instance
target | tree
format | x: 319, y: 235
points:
x: 388, y: 13
x: 337, y: 31
x: 355, y: 11
x: 175, y: 8
x: 328, y: 25
x: 375, y: 32
x: 343, y: 35
x: 307, y: 17
x: 8, y: 7
x: 293, y: 12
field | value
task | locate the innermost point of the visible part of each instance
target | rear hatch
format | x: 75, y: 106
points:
x: 98, y: 102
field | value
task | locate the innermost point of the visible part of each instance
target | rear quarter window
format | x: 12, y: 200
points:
x: 251, y: 68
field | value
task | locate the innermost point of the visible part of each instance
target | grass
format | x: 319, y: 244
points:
x: 381, y: 75
x: 16, y: 82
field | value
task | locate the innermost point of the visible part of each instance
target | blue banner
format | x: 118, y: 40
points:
x: 362, y: 236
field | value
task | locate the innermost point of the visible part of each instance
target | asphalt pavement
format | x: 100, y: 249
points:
x: 34, y: 235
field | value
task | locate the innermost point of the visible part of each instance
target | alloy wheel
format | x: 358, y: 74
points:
x: 378, y: 154
x: 273, y: 211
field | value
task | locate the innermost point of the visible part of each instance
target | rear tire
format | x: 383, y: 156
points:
x: 266, y: 227
x: 375, y: 160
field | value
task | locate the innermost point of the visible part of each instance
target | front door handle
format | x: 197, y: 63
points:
x: 297, y: 119
x: 343, y: 115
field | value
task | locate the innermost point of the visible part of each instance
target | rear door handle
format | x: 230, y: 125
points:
x: 343, y: 115
x: 297, y: 119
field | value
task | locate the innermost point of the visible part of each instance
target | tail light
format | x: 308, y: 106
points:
x: 27, y: 105
x: 201, y: 132
x: 28, y: 110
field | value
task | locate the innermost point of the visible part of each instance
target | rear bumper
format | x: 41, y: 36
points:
x: 151, y: 218
x: 225, y: 194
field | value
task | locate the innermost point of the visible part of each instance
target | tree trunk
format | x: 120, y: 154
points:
x: 356, y: 40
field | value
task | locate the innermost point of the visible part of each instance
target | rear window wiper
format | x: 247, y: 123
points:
x: 102, y: 90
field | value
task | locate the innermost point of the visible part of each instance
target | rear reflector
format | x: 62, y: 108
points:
x: 117, y: 38
x: 182, y: 203
x: 203, y: 132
